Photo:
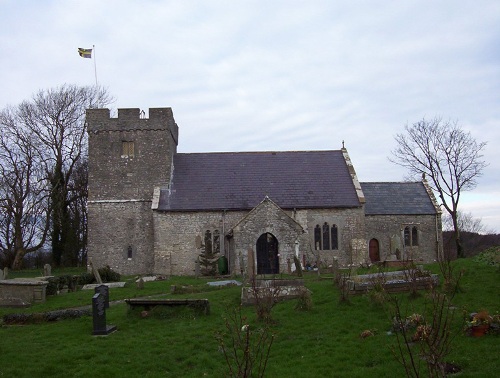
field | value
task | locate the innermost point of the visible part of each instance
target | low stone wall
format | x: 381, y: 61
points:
x: 22, y: 292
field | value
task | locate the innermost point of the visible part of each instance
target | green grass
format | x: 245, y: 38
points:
x: 322, y: 342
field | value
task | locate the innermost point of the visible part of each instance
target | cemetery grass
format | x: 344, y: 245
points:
x: 322, y: 342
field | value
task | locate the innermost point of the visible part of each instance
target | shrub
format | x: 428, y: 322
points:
x: 109, y: 275
x: 85, y: 279
x: 304, y: 302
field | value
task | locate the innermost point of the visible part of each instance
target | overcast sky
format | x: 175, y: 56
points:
x: 276, y: 75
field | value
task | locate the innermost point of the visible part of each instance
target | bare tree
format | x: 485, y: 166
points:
x: 56, y: 120
x: 24, y: 192
x: 466, y: 223
x: 449, y: 156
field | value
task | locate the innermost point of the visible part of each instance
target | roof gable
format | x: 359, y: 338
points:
x: 239, y: 180
x: 397, y: 198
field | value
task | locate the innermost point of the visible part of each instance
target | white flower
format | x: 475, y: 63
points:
x: 244, y: 328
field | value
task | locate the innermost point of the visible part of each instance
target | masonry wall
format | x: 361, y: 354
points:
x: 114, y: 175
x: 387, y: 227
x: 114, y: 228
x: 266, y: 218
x: 351, y: 226
x: 175, y: 247
x: 175, y: 233
x: 121, y: 184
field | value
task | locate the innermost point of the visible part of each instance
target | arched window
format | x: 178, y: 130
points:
x: 407, y: 236
x: 208, y: 242
x: 212, y: 242
x: 414, y: 236
x: 317, y: 238
x: 216, y: 243
x: 326, y: 236
x: 335, y: 237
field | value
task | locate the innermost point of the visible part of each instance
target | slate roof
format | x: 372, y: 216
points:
x: 397, y: 198
x: 241, y: 180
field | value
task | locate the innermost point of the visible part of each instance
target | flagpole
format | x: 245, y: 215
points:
x: 95, y: 73
x: 95, y: 66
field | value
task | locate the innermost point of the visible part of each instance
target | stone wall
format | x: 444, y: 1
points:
x: 115, y: 227
x: 351, y: 225
x: 115, y: 176
x: 175, y: 234
x: 385, y: 228
x: 266, y: 218
x: 120, y: 219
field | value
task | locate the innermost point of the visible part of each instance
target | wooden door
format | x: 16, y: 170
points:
x: 374, y: 250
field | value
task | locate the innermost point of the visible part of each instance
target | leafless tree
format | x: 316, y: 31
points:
x: 24, y: 192
x: 466, y: 223
x: 57, y: 117
x: 447, y: 155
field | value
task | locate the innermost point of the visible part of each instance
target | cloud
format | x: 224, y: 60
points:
x: 274, y: 75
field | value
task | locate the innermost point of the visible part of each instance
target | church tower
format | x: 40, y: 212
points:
x: 129, y: 156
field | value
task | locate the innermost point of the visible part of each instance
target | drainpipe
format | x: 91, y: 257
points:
x: 223, y: 244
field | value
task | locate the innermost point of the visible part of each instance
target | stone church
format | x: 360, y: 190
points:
x: 152, y: 210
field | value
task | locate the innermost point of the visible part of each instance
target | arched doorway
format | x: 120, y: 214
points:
x: 267, y: 254
x: 374, y: 250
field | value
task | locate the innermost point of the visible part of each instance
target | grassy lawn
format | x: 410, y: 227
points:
x: 322, y: 342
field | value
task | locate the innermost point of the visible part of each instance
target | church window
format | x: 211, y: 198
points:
x: 317, y: 238
x: 127, y: 149
x: 212, y: 242
x: 411, y: 236
x: 208, y: 242
x: 335, y: 237
x: 407, y: 236
x: 326, y: 236
x: 129, y: 252
x: 414, y: 236
x: 216, y: 243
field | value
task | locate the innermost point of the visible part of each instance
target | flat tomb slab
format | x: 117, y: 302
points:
x: 108, y: 284
x: 199, y: 304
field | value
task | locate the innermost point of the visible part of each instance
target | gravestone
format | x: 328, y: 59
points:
x: 99, y: 316
x: 104, y: 291
x: 47, y: 270
x: 95, y: 272
x: 140, y: 284
x: 1, y: 275
x: 5, y: 273
x: 197, y: 268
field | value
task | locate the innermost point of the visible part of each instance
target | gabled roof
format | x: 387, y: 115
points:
x: 240, y: 180
x: 397, y: 198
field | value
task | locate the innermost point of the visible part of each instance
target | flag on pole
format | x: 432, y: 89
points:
x: 85, y: 53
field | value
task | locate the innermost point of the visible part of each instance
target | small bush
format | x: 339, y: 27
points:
x: 304, y: 302
x: 52, y: 286
x: 109, y: 275
x: 85, y: 279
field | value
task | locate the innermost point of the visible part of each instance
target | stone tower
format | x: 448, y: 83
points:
x: 129, y: 157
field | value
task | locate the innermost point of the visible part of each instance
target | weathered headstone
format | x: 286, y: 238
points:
x: 99, y: 316
x: 140, y: 284
x: 95, y: 272
x: 251, y: 262
x: 47, y: 270
x: 298, y: 267
x: 5, y: 273
x: 104, y: 291
x: 1, y: 275
x: 197, y: 268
